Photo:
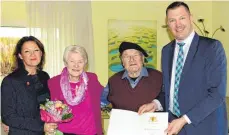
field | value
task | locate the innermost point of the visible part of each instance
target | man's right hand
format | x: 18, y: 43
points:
x: 150, y: 107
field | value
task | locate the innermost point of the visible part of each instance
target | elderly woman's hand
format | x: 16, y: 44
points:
x: 50, y: 127
x: 5, y: 128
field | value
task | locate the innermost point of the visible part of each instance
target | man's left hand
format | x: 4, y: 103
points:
x: 175, y: 126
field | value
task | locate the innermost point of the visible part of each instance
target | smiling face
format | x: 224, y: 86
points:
x: 179, y: 21
x: 30, y: 55
x: 132, y: 61
x: 75, y: 64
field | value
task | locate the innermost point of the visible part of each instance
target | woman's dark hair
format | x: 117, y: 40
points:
x: 177, y: 4
x: 19, y: 63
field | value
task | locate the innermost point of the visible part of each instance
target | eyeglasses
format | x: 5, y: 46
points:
x: 129, y: 57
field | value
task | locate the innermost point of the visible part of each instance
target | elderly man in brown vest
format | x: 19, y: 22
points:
x: 136, y: 88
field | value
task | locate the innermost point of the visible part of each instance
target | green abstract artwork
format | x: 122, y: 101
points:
x: 141, y: 32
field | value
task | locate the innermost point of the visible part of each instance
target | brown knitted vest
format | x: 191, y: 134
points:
x: 123, y: 96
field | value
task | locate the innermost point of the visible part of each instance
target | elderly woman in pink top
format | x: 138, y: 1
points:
x: 81, y: 91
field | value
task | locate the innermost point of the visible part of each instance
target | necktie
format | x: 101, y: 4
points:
x: 178, y: 71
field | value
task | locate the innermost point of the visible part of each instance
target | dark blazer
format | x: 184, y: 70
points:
x: 21, y: 95
x: 202, y: 89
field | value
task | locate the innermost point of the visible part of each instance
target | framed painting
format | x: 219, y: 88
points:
x: 141, y: 32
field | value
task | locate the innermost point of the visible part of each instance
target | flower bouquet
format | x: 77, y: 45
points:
x: 55, y: 112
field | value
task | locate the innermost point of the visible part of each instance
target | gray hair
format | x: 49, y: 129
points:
x: 75, y: 49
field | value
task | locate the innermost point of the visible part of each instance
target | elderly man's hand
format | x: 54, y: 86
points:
x: 5, y: 128
x: 150, y: 107
x: 175, y: 126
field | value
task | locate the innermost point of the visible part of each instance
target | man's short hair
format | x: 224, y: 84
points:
x: 177, y: 4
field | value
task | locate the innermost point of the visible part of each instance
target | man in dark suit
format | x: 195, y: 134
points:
x: 194, y: 78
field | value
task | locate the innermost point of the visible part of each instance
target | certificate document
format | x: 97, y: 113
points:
x: 123, y: 122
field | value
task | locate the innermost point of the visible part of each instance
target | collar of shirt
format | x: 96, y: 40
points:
x: 144, y: 72
x: 187, y: 42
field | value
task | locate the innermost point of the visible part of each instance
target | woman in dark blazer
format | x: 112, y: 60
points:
x: 24, y: 89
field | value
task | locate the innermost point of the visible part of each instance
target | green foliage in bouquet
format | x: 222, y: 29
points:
x: 59, y: 133
x: 67, y: 116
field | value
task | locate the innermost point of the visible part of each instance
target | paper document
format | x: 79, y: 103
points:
x: 123, y: 122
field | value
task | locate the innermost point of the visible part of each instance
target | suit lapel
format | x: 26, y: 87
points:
x: 170, y: 60
x: 190, y: 56
x: 171, y: 55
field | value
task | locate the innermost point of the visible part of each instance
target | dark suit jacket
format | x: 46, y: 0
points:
x: 20, y: 97
x: 202, y: 89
